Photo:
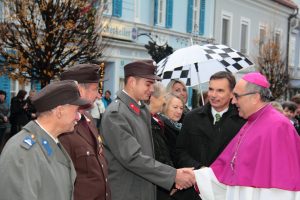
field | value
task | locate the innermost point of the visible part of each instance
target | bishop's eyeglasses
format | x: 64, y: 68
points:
x: 237, y: 96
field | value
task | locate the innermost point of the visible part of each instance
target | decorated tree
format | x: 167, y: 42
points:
x: 39, y: 38
x: 158, y: 52
x: 271, y: 63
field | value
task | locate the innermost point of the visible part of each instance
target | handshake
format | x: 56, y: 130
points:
x: 185, y: 178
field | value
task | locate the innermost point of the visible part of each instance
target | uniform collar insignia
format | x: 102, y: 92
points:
x: 47, y: 147
x: 135, y: 108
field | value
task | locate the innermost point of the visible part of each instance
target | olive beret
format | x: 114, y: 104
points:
x: 58, y: 93
x: 82, y: 73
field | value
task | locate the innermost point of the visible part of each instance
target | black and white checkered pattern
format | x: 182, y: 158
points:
x: 232, y: 60
x: 181, y: 73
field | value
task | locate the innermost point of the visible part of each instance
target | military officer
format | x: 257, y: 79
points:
x: 34, y: 166
x: 126, y: 128
x: 84, y: 143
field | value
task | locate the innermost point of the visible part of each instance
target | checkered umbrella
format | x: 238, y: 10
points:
x: 195, y: 64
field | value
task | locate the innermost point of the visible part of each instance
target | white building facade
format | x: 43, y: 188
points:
x: 245, y: 24
x: 135, y: 22
x: 294, y: 52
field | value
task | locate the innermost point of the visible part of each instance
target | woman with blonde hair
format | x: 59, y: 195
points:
x: 179, y: 88
x: 171, y: 114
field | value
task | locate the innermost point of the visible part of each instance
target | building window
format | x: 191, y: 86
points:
x: 161, y: 12
x: 136, y: 10
x: 196, y: 16
x: 244, y: 45
x: 262, y: 38
x: 107, y: 7
x: 292, y: 51
x: 277, y: 37
x: 226, y: 29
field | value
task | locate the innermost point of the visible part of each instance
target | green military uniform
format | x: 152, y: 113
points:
x: 35, y: 167
x: 132, y: 170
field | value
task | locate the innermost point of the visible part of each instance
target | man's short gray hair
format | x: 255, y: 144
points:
x: 158, y: 89
x: 265, y: 93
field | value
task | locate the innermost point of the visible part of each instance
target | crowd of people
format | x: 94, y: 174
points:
x: 69, y: 142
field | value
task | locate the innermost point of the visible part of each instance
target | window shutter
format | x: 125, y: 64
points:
x: 189, y: 25
x: 202, y: 17
x: 155, y: 11
x: 169, y: 14
x: 117, y: 8
x: 5, y: 86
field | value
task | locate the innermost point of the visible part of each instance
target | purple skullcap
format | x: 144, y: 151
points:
x: 257, y: 79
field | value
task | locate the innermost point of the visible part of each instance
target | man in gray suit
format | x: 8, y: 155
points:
x: 126, y: 128
x: 34, y: 166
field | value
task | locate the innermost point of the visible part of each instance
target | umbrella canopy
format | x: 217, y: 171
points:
x: 195, y: 64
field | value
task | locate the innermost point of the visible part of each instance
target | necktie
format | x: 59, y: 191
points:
x: 59, y: 145
x: 218, y: 117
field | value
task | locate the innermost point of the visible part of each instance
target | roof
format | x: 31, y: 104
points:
x: 287, y: 3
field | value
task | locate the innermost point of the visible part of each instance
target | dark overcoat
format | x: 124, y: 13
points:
x: 162, y: 153
x: 200, y: 141
x: 85, y: 149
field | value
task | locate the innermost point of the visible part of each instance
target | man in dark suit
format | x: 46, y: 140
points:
x: 84, y: 144
x: 207, y: 130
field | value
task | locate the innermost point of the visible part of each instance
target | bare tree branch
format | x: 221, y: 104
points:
x: 39, y: 38
x: 272, y: 64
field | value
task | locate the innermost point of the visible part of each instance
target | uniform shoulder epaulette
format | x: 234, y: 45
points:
x: 28, y: 141
x: 114, y: 107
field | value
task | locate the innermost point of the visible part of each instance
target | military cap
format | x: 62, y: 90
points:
x: 82, y: 73
x: 58, y: 93
x: 142, y: 68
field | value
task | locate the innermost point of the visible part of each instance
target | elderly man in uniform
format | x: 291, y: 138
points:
x: 126, y: 128
x: 84, y: 143
x: 34, y: 166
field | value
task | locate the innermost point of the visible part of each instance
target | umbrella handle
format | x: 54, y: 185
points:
x: 200, y: 88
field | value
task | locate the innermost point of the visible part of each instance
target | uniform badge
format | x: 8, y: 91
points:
x: 134, y: 108
x: 47, y: 147
x: 28, y: 142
